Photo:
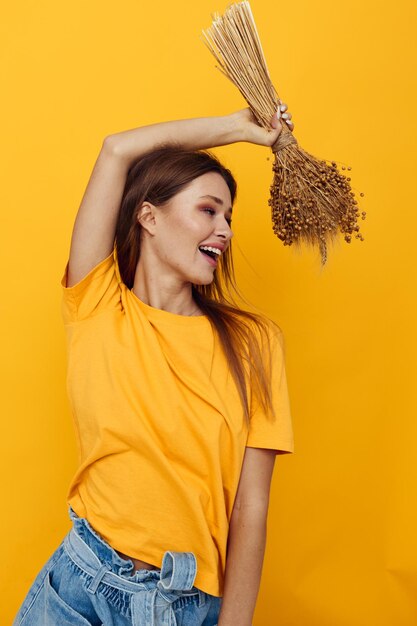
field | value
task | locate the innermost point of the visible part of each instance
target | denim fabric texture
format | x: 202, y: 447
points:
x: 86, y: 583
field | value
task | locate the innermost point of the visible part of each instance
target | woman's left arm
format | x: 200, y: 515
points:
x: 247, y: 538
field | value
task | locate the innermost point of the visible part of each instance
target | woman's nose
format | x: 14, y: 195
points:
x: 225, y: 234
x: 224, y: 230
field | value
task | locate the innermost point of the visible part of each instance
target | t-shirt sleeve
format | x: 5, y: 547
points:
x: 98, y: 291
x: 273, y: 431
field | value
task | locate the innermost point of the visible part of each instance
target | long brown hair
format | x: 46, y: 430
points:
x: 156, y: 177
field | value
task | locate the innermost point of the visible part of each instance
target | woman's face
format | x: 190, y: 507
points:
x: 199, y: 215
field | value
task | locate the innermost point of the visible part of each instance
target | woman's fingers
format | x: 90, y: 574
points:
x: 286, y: 116
x: 250, y: 130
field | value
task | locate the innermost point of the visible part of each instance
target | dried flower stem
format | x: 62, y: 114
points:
x: 310, y: 200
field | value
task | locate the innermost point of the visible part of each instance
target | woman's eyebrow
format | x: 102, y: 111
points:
x: 217, y: 200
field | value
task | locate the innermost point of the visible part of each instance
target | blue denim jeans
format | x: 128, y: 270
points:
x: 86, y: 583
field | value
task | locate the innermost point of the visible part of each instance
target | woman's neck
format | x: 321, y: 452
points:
x: 164, y: 292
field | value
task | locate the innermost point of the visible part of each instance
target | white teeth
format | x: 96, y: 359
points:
x: 210, y: 249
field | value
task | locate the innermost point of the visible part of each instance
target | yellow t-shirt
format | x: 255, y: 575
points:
x: 159, y: 422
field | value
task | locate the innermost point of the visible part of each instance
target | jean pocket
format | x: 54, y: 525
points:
x: 36, y: 589
x: 57, y: 611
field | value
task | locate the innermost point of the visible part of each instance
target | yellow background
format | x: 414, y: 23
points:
x: 342, y: 548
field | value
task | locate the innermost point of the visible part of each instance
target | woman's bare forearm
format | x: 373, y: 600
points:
x: 245, y: 555
x: 192, y: 134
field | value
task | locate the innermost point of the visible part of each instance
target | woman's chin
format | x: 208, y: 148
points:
x: 201, y: 281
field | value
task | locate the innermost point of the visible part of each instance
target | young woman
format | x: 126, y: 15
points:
x: 179, y: 396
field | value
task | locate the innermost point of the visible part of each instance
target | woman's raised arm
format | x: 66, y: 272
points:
x: 194, y: 134
x: 95, y: 224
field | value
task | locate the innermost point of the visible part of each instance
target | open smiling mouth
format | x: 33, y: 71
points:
x: 210, y: 255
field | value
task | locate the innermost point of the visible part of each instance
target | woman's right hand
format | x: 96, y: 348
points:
x: 252, y: 132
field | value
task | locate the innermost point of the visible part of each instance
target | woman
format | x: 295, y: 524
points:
x: 179, y: 397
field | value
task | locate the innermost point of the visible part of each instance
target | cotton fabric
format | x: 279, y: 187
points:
x: 159, y: 422
x: 86, y: 583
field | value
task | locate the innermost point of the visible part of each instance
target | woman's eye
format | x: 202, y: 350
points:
x: 213, y: 212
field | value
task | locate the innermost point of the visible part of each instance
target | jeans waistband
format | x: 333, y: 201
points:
x: 151, y: 605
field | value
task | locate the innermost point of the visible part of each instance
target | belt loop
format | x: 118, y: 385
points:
x: 92, y: 587
x: 178, y: 571
x: 201, y: 598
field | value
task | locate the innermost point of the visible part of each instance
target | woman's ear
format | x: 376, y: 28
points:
x: 146, y: 217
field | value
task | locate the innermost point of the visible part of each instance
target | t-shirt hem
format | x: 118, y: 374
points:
x: 206, y: 583
x: 99, y: 269
x: 283, y: 446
